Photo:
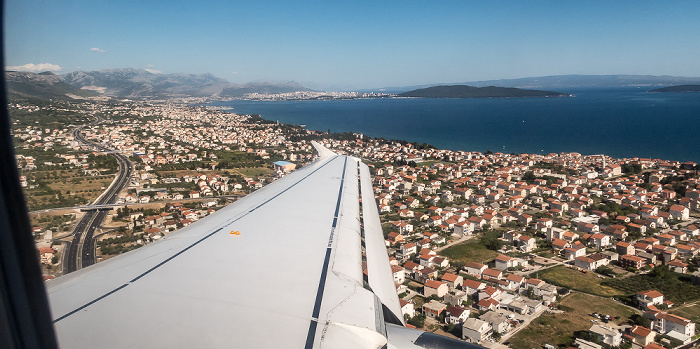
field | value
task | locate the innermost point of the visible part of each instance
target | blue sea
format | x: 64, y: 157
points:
x: 621, y: 122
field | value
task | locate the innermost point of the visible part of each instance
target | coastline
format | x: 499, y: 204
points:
x: 343, y: 136
x: 622, y: 123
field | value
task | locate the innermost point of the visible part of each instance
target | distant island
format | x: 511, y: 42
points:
x: 464, y: 91
x: 679, y: 88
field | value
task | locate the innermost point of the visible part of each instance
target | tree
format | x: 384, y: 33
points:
x: 661, y: 272
x: 605, y: 270
x: 641, y: 320
x: 531, y: 293
x: 490, y: 240
x: 418, y: 321
x: 529, y: 177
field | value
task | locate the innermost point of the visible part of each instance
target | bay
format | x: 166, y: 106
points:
x: 622, y: 122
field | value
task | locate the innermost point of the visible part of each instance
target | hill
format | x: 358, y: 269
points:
x: 594, y: 81
x: 679, y: 88
x: 464, y: 91
x: 42, y: 85
x: 558, y: 82
x: 129, y: 82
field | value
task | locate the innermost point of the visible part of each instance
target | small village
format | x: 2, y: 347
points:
x: 536, y: 213
x: 514, y: 250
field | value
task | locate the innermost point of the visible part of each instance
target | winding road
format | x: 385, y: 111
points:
x: 81, y: 250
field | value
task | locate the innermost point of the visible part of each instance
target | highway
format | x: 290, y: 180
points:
x: 81, y: 250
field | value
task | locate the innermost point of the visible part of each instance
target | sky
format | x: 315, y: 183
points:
x: 356, y: 44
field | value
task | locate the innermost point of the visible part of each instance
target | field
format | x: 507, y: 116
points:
x: 96, y: 184
x: 691, y: 312
x: 470, y: 251
x: 560, y: 329
x: 253, y: 171
x: 675, y: 287
x: 576, y: 280
x: 59, y: 222
x: 64, y: 188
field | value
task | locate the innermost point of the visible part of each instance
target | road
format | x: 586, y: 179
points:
x: 527, y: 319
x: 542, y: 264
x: 81, y: 251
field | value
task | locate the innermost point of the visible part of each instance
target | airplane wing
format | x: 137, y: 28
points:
x: 280, y: 268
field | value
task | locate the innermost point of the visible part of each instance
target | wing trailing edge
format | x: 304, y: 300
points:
x: 293, y: 276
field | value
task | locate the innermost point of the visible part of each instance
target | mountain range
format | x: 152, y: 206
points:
x: 464, y: 91
x: 560, y: 82
x: 42, y: 85
x: 131, y: 83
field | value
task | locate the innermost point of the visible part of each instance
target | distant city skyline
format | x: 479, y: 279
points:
x: 356, y: 45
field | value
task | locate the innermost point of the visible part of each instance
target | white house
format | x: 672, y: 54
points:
x: 475, y: 330
x: 407, y: 308
x: 607, y: 335
x: 474, y: 269
x: 649, y: 297
x: 504, y: 262
x: 669, y: 323
x: 456, y: 315
x: 399, y: 274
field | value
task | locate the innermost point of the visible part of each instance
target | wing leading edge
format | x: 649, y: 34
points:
x: 291, y: 275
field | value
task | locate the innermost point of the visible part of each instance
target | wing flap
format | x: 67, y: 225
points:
x: 380, y: 277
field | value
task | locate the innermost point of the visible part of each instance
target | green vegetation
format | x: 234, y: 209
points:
x: 641, y: 320
x: 555, y: 168
x: 119, y: 245
x: 612, y: 208
x: 576, y: 280
x: 254, y: 171
x: 102, y: 161
x: 560, y: 329
x: 631, y: 168
x: 691, y: 312
x: 52, y: 114
x: 490, y: 239
x: 678, y: 88
x: 471, y: 251
x: 236, y: 159
x: 675, y: 287
x: 63, y: 188
x: 529, y: 177
x: 605, y: 270
x: 418, y: 321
